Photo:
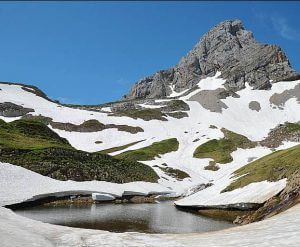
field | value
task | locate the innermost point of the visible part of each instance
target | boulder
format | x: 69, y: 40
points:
x: 8, y: 109
x: 101, y: 197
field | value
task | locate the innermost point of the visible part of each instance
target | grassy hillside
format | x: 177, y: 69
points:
x: 29, y: 135
x: 150, y: 152
x: 220, y: 150
x: 273, y: 167
x: 293, y: 127
x: 119, y: 148
x: 175, y: 173
x: 32, y: 145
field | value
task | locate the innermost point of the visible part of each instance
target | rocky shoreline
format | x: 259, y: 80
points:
x: 237, y: 215
x: 248, y: 213
x: 289, y: 197
x: 217, y: 213
x: 228, y: 214
x: 86, y: 200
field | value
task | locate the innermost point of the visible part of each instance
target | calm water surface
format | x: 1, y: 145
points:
x: 147, y: 217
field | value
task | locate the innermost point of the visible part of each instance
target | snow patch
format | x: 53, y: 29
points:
x: 18, y: 184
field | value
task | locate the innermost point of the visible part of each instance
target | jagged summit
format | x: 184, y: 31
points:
x: 228, y: 47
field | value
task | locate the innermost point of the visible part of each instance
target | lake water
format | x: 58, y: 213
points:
x: 160, y: 217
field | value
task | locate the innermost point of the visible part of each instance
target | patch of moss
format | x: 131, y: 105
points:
x: 273, y: 167
x: 126, y: 128
x: 175, y: 173
x: 175, y: 105
x: 145, y: 114
x: 293, y: 127
x: 212, y: 166
x: 220, y: 150
x: 94, y: 125
x: 119, y: 148
x: 39, y: 118
x: 178, y: 114
x: 150, y: 152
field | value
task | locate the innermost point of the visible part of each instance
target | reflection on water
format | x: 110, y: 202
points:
x: 150, y: 218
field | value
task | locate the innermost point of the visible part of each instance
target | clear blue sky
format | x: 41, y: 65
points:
x: 92, y: 52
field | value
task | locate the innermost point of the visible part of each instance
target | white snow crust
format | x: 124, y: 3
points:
x: 18, y: 184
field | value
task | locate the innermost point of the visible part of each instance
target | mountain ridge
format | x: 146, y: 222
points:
x: 229, y: 48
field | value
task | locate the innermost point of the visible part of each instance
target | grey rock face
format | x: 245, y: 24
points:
x: 281, y: 98
x: 228, y: 48
x: 210, y: 100
x: 254, y: 106
x: 8, y: 109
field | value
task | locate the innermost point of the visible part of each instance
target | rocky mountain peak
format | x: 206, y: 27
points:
x: 229, y: 48
x: 226, y: 31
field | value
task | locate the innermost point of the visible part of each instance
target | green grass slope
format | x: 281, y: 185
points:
x: 32, y: 145
x: 220, y: 150
x: 150, y: 152
x: 119, y: 148
x: 272, y: 167
x: 29, y: 135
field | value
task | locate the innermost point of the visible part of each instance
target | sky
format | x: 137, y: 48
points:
x: 93, y: 52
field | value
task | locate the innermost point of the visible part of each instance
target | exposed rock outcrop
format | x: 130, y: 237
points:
x: 279, y: 100
x: 254, y: 106
x: 228, y: 48
x: 210, y: 100
x: 94, y: 125
x: 8, y: 109
x: 283, y: 132
x: 91, y: 125
x: 286, y: 199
